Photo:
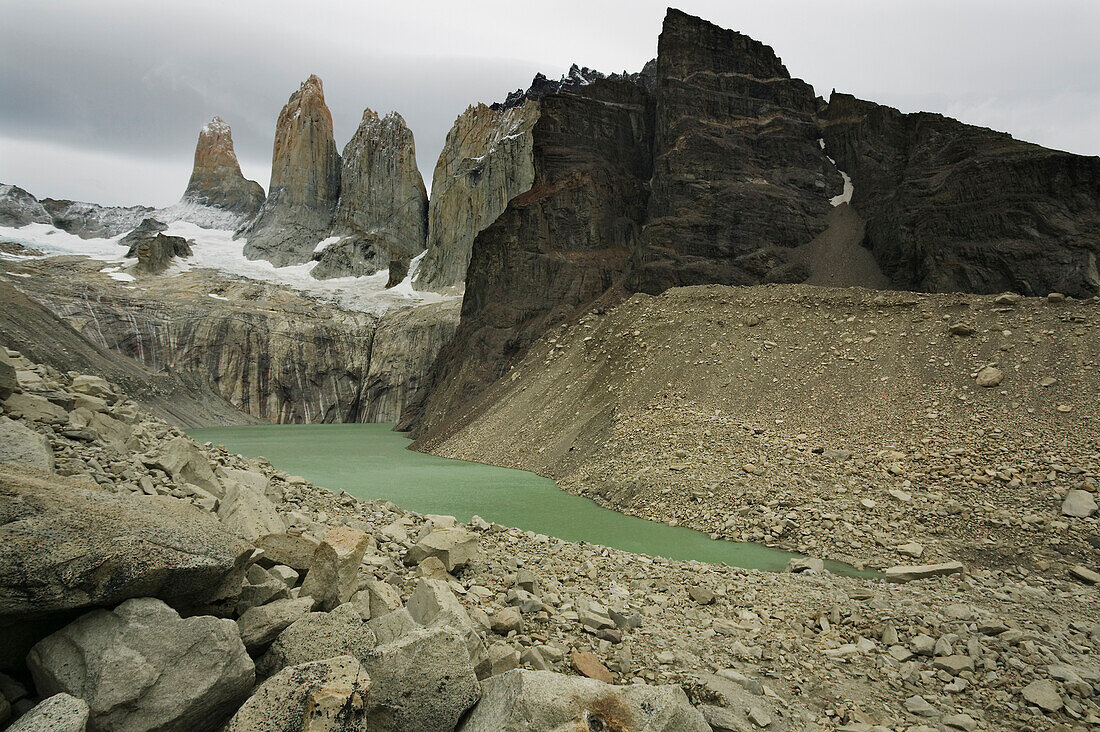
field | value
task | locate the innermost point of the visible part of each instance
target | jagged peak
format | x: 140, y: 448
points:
x: 703, y: 41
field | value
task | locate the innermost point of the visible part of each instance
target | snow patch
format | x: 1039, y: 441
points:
x: 217, y: 249
x: 217, y: 297
x: 326, y: 243
x: 846, y: 194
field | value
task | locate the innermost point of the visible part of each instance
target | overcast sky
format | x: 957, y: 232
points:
x: 102, y: 101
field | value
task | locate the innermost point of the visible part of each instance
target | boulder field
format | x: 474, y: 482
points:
x: 187, y: 588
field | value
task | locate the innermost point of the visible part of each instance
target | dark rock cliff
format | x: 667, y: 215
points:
x: 953, y: 207
x: 557, y: 247
x: 738, y: 175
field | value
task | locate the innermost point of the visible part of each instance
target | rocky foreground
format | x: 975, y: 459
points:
x: 147, y: 582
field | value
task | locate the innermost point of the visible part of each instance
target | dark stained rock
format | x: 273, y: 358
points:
x: 557, y: 247
x: 954, y: 207
x: 305, y: 182
x: 153, y: 249
x: 738, y: 175
x: 216, y: 178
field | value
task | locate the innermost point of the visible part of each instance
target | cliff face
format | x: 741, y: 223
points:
x: 382, y: 215
x: 19, y: 208
x: 738, y: 175
x: 216, y: 179
x: 953, y: 207
x: 485, y: 162
x: 305, y: 182
x: 558, y: 246
x: 406, y: 343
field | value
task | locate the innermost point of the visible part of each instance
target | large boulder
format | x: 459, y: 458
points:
x: 182, y: 459
x: 59, y: 713
x: 434, y: 605
x: 259, y: 626
x: 21, y: 444
x: 421, y: 682
x: 320, y: 696
x: 454, y: 547
x: 143, y: 667
x: 248, y: 512
x: 66, y: 548
x: 317, y: 636
x: 9, y: 381
x: 334, y: 570
x: 520, y: 700
x: 292, y: 548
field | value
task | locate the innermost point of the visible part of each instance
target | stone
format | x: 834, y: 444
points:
x: 260, y: 587
x: 1078, y: 503
x: 65, y: 547
x: 913, y: 549
x: 155, y: 254
x: 382, y: 214
x: 433, y: 605
x: 217, y: 183
x: 499, y: 657
x: 34, y: 408
x: 184, y: 462
x: 316, y: 636
x: 295, y: 550
x: 1084, y: 574
x: 393, y: 625
x: 329, y: 695
x: 248, y: 512
x: 1043, y: 693
x: 954, y: 664
x: 382, y: 597
x: 908, y: 573
x: 432, y: 568
x: 9, y: 380
x: 333, y: 575
x: 524, y: 701
x: 990, y: 376
x: 137, y: 668
x: 920, y: 706
x: 454, y: 547
x: 421, y: 682
x: 701, y: 595
x: 507, y: 621
x: 58, y: 713
x: 807, y: 565
x: 21, y: 444
x: 259, y: 626
x: 524, y: 600
x: 588, y: 665
x: 304, y: 185
x: 94, y: 386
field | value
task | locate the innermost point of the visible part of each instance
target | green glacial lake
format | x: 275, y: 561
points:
x: 371, y: 461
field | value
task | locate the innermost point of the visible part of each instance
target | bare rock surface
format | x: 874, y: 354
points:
x: 58, y: 713
x: 143, y: 667
x: 216, y: 180
x: 305, y: 182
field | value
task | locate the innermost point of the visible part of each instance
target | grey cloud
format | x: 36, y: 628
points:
x: 133, y: 81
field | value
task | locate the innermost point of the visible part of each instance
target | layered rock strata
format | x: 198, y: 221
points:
x: 305, y: 182
x: 738, y: 175
x: 382, y: 215
x: 954, y: 207
x: 485, y: 162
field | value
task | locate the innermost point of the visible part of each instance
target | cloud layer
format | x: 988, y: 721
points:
x: 104, y: 101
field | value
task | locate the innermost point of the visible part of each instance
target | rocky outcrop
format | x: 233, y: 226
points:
x: 305, y: 182
x: 19, y: 208
x: 217, y: 191
x: 144, y: 667
x: 92, y: 221
x: 382, y: 216
x: 953, y: 207
x: 485, y: 162
x: 738, y: 175
x: 67, y: 548
x: 556, y: 248
x: 406, y: 343
x: 153, y: 249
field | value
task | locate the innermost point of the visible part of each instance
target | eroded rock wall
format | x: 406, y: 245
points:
x: 305, y: 182
x: 954, y: 207
x: 485, y: 162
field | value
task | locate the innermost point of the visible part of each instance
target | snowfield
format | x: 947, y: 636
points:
x: 217, y: 250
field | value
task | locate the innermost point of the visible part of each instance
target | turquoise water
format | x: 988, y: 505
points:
x: 372, y: 461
